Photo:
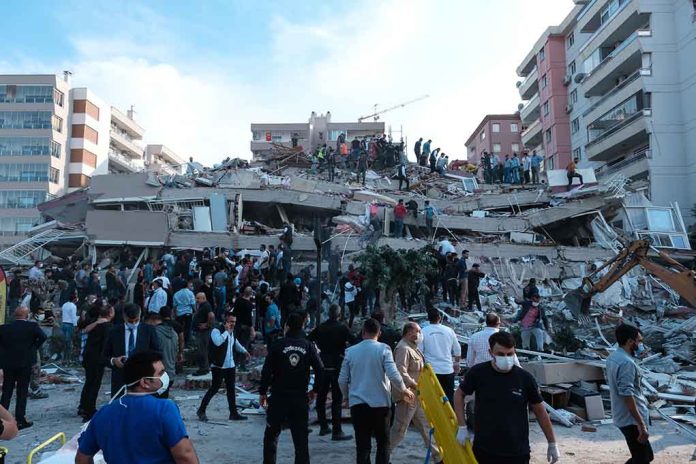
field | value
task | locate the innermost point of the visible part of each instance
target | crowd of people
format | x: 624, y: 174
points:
x: 219, y: 304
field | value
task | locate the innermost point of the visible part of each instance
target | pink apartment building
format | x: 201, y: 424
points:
x: 497, y: 133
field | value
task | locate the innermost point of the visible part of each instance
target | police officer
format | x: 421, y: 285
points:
x: 286, y: 372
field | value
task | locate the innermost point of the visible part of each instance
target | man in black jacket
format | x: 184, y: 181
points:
x: 97, y: 333
x: 125, y: 340
x: 332, y: 337
x: 19, y: 342
x: 286, y: 373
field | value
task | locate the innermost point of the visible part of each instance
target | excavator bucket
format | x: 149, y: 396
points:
x: 578, y: 302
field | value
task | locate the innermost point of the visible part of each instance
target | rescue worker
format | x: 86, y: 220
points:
x: 286, y: 373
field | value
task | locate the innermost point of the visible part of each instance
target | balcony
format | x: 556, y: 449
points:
x: 616, y: 138
x: 625, y: 60
x: 616, y: 28
x: 531, y: 137
x: 125, y: 123
x: 531, y: 111
x: 636, y: 165
x: 632, y: 85
x: 530, y: 85
x: 123, y: 163
x: 125, y: 144
x: 165, y: 153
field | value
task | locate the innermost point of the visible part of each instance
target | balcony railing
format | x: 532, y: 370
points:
x: 629, y: 40
x: 125, y: 161
x: 618, y: 126
x: 612, y: 169
x: 526, y: 80
x: 532, y: 127
x: 603, y: 26
x: 612, y: 92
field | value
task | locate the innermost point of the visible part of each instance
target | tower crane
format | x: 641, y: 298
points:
x: 376, y: 114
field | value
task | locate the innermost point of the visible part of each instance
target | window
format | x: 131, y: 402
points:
x: 514, y: 127
x: 615, y: 117
x: 496, y: 127
x: 571, y: 68
x: 26, y: 94
x: 571, y: 39
x: 21, y: 199
x: 546, y: 108
x: 574, y: 97
x: 256, y: 135
x: 58, y: 97
x: 53, y: 175
x: 483, y: 135
x: 547, y: 136
x: 544, y: 81
x: 28, y: 146
x: 515, y: 147
x: 27, y: 173
x: 577, y: 153
x: 496, y: 148
x: 575, y: 126
x: 17, y: 225
x: 25, y: 119
x: 542, y: 54
x: 55, y: 149
x: 549, y: 161
x: 333, y: 134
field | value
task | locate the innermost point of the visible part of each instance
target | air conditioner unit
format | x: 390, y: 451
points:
x: 567, y: 79
x: 520, y: 106
x: 579, y: 77
x: 519, y: 84
x: 569, y: 108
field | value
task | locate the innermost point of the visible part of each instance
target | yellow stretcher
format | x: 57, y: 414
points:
x: 442, y: 419
x: 59, y: 436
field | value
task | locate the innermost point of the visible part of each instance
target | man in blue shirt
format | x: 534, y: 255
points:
x: 137, y: 427
x: 271, y: 320
x: 184, y: 304
x: 536, y: 165
x: 429, y: 215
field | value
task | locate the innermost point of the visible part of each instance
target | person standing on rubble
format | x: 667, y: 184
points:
x: 402, y: 176
x: 442, y: 351
x: 526, y: 168
x: 572, y: 172
x: 463, y: 278
x: 286, y: 373
x: 432, y: 160
x: 331, y: 163
x: 507, y: 170
x: 362, y: 166
x: 629, y: 406
x: 417, y: 150
x: 536, y: 167
x: 399, y: 215
x: 429, y: 213
x: 451, y: 277
x: 441, y: 164
x: 504, y: 393
x: 515, y: 167
x: 409, y: 362
x: 533, y: 320
x: 474, y: 277
x: 486, y: 165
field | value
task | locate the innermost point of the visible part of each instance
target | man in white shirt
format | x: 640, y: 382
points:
x: 446, y: 247
x: 478, y: 348
x: 157, y: 299
x: 35, y: 271
x: 264, y: 260
x: 69, y: 321
x: 442, y: 351
x: 222, y: 366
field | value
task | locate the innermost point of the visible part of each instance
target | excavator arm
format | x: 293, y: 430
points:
x: 681, y: 279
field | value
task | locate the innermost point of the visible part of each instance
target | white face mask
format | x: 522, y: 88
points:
x: 165, y: 384
x: 419, y: 338
x: 535, y: 303
x: 504, y: 363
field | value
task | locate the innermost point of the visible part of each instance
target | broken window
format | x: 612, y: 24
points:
x: 660, y: 220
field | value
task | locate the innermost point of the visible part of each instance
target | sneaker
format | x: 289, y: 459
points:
x: 201, y: 416
x: 324, y: 431
x: 341, y: 437
x: 238, y: 417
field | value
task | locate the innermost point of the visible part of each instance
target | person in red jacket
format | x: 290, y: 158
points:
x: 399, y: 215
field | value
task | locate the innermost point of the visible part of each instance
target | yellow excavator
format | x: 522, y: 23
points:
x: 681, y: 279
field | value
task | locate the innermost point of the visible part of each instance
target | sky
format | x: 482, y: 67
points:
x: 199, y: 73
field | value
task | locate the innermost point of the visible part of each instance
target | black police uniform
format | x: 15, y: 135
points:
x: 286, y: 372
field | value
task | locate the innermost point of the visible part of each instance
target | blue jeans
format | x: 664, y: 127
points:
x: 68, y: 331
x: 398, y: 228
x: 538, y: 338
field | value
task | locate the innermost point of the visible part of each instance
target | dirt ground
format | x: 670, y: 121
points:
x: 235, y: 442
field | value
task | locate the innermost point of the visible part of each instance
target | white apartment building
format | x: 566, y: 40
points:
x: 630, y: 76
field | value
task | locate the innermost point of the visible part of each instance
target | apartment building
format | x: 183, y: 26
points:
x: 54, y: 138
x: 629, y: 84
x: 318, y: 130
x: 34, y: 118
x: 497, y: 133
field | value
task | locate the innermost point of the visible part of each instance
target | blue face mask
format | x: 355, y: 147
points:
x: 132, y: 325
x: 640, y: 349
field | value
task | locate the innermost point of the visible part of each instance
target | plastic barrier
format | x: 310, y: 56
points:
x: 59, y: 436
x: 442, y: 419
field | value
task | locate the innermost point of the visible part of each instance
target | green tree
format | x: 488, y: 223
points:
x: 393, y: 271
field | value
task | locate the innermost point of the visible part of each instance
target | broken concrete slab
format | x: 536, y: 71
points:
x: 144, y: 228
